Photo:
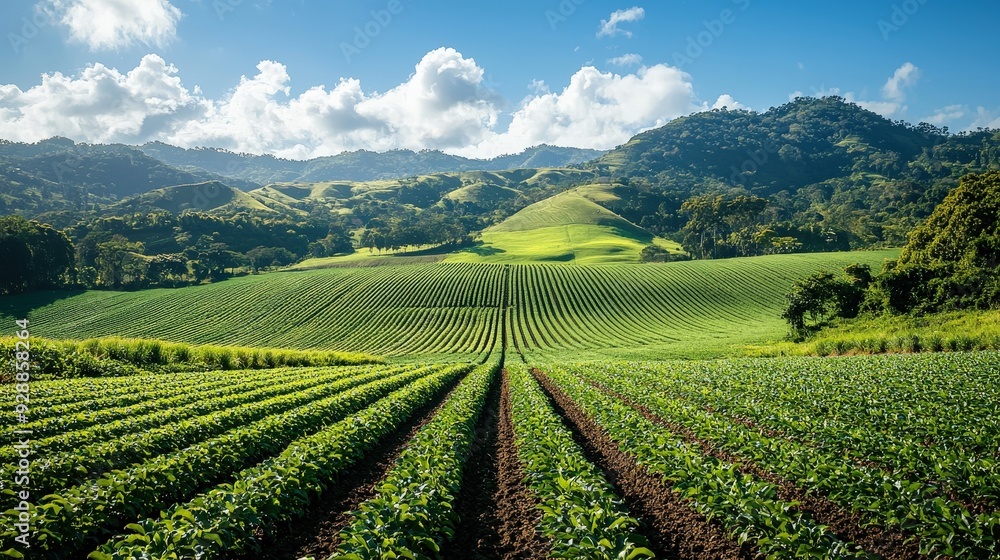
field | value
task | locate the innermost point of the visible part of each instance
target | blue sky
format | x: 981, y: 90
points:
x: 301, y: 78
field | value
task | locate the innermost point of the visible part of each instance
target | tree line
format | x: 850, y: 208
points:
x: 35, y: 256
x: 156, y: 250
x: 160, y: 249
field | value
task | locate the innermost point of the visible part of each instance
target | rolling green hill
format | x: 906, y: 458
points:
x: 568, y: 227
x: 680, y: 309
x: 566, y: 209
x: 211, y: 196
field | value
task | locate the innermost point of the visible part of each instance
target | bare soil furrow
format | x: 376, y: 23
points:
x: 674, y: 529
x: 497, y: 511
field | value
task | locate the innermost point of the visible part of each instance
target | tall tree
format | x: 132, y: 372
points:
x: 116, y: 262
x: 34, y: 255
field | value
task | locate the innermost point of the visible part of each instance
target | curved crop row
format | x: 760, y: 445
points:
x: 440, y: 308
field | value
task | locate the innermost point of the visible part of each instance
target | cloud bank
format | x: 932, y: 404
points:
x: 445, y: 104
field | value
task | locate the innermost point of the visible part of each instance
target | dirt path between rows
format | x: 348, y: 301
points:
x: 674, y: 529
x: 497, y: 512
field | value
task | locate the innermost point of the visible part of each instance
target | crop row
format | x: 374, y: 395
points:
x: 174, y: 403
x: 746, y: 506
x: 52, y: 472
x: 928, y: 417
x: 74, y: 395
x: 228, y: 517
x: 880, y: 497
x: 412, y: 515
x: 581, y: 515
x: 76, y: 516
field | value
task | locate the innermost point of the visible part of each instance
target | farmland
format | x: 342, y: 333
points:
x: 856, y: 457
x: 444, y: 311
x: 522, y: 411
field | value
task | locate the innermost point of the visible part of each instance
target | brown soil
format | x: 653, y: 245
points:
x: 844, y: 524
x: 674, y: 529
x: 496, y: 510
x: 318, y: 533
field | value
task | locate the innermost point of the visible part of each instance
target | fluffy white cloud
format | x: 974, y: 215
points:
x: 444, y: 105
x: 728, y: 102
x: 114, y: 24
x: 630, y: 59
x: 100, y: 105
x: 609, y: 27
x: 904, y: 76
x: 596, y: 110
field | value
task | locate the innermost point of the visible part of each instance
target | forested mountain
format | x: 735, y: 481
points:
x: 825, y: 165
x: 60, y: 175
x: 360, y: 165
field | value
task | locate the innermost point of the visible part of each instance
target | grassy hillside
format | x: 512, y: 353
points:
x: 566, y: 209
x: 568, y: 227
x: 954, y: 331
x: 675, y: 309
x: 209, y: 196
x: 482, y: 194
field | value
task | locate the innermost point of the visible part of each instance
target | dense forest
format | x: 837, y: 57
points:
x: 833, y: 175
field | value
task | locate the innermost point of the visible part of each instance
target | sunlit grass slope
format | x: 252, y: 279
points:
x: 566, y: 228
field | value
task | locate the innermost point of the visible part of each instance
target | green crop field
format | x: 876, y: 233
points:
x: 856, y: 457
x: 680, y: 309
x: 524, y: 411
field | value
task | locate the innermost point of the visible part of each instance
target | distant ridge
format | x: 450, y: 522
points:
x: 361, y: 165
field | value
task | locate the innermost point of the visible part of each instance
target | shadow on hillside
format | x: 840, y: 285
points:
x: 20, y: 306
x: 482, y: 250
x: 436, y: 250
